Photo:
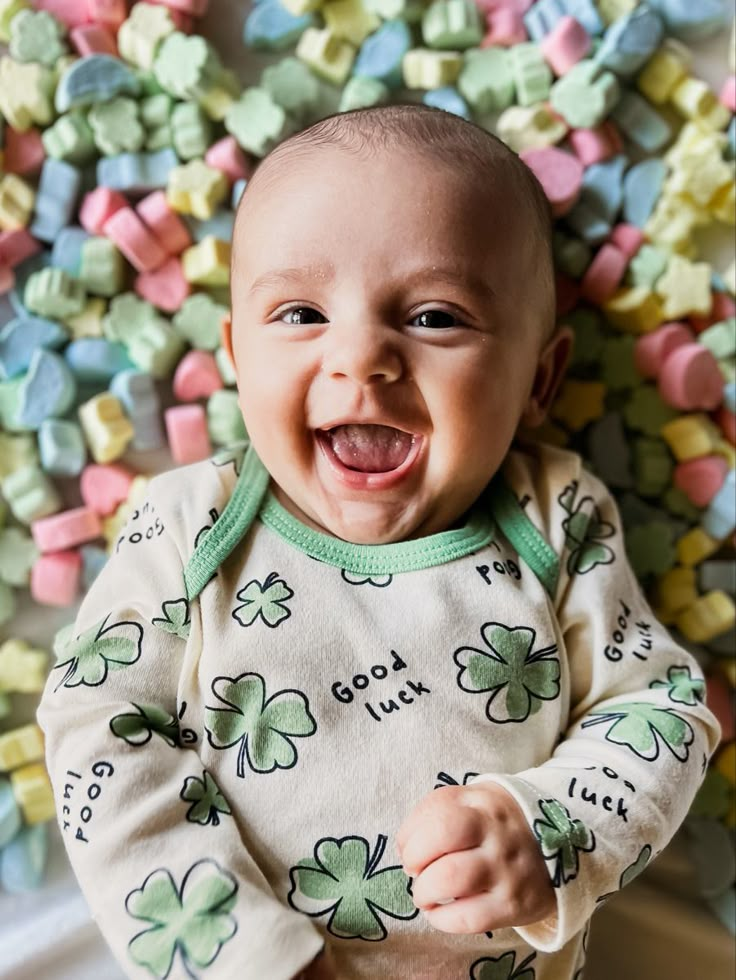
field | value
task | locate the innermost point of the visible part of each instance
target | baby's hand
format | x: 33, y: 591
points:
x: 473, y: 844
x: 321, y: 968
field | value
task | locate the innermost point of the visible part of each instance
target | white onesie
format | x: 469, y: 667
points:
x: 246, y: 710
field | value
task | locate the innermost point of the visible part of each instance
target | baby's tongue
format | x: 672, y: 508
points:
x: 370, y: 448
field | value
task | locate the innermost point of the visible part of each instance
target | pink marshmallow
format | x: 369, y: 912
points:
x: 134, y: 240
x: 166, y: 225
x: 726, y: 422
x: 652, y: 349
x: 109, y: 13
x: 567, y: 43
x: 196, y: 376
x: 186, y: 429
x: 192, y: 8
x: 722, y: 307
x: 701, y: 478
x: 69, y: 12
x: 97, y: 207
x: 628, y: 238
x: 7, y: 278
x: 104, y: 486
x: 226, y: 156
x: 66, y: 530
x: 559, y: 173
x: 728, y: 93
x: 719, y: 698
x: 604, y: 274
x: 16, y: 246
x: 690, y: 379
x: 55, y: 578
x: 596, y: 145
x: 505, y: 28
x: 24, y: 152
x: 93, y: 39
x: 165, y: 287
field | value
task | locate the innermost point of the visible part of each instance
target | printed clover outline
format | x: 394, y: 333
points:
x: 92, y: 654
x: 585, y: 531
x: 206, y: 799
x: 681, y: 686
x: 527, y: 678
x: 342, y: 879
x: 360, y: 578
x: 630, y: 872
x: 138, y: 727
x: 503, y: 968
x: 234, y: 453
x: 642, y: 726
x: 175, y: 618
x: 260, y: 726
x: 561, y: 838
x: 266, y: 601
x: 194, y: 919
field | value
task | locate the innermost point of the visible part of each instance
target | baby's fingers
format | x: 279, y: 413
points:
x: 458, y: 875
x: 494, y: 909
x: 439, y: 825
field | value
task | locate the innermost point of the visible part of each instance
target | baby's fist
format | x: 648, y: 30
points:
x: 473, y: 844
x: 321, y: 968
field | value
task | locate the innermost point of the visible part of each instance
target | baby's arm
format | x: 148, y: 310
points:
x: 622, y: 778
x: 153, y: 842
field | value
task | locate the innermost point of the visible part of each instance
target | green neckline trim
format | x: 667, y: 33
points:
x: 523, y: 535
x: 378, y: 559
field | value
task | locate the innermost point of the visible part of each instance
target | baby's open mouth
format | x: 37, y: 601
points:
x: 368, y: 448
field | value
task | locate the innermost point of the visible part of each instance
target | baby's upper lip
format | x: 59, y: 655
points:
x: 352, y: 420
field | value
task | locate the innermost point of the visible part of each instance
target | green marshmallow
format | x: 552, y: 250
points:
x: 198, y: 321
x: 652, y: 466
x: 191, y: 131
x: 70, y: 138
x: 645, y: 411
x: 155, y: 110
x: 411, y: 11
x: 486, y: 82
x: 678, y: 503
x: 256, y: 121
x: 589, y: 337
x: 30, y: 494
x: 585, y: 95
x: 531, y: 73
x: 115, y: 126
x: 37, y: 36
x: 452, y: 25
x: 293, y: 86
x: 650, y: 548
x: 225, y: 367
x: 127, y: 316
x: 617, y: 363
x: 7, y: 603
x: 647, y: 266
x: 18, y: 552
x: 51, y: 292
x: 572, y: 255
x: 159, y: 138
x: 224, y: 418
x: 16, y: 451
x: 187, y: 67
x: 720, y: 338
x: 102, y: 267
x: 362, y: 92
x: 156, y: 348
x: 10, y: 396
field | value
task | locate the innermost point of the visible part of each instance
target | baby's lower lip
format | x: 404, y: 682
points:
x: 359, y: 480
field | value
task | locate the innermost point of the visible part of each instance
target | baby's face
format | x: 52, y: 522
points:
x: 383, y: 347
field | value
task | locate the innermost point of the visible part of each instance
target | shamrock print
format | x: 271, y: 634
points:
x: 631, y: 872
x: 266, y: 601
x: 342, y: 879
x: 519, y: 679
x: 193, y: 920
x: 233, y: 453
x: 584, y: 531
x: 682, y: 686
x: 356, y: 578
x: 102, y: 648
x: 261, y: 728
x: 138, y: 727
x: 206, y: 799
x: 561, y: 838
x: 503, y: 968
x: 643, y: 727
x: 175, y: 618
x: 443, y: 779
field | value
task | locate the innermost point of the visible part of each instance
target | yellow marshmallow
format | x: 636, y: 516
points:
x: 689, y: 436
x: 427, y: 69
x: 578, y: 403
x: 635, y: 309
x: 22, y: 668
x: 695, y: 546
x: 349, y: 20
x: 33, y: 793
x: 197, y: 189
x: 105, y: 426
x: 21, y: 746
x: 207, y: 263
x: 329, y: 56
x: 685, y: 288
x: 709, y: 616
x: 661, y: 75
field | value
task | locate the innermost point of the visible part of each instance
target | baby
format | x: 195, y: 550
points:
x: 376, y: 693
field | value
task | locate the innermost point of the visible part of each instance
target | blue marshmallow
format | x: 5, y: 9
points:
x: 56, y: 198
x: 449, y: 99
x: 271, y: 27
x: 95, y: 359
x: 139, y: 173
x: 641, y: 123
x: 693, y: 20
x: 94, y: 559
x: 66, y: 252
x: 23, y: 860
x: 61, y: 447
x: 10, y: 819
x: 24, y: 335
x: 48, y: 389
x: 95, y: 78
x: 137, y: 393
x: 720, y: 517
x: 382, y: 53
x: 630, y: 41
x: 642, y: 187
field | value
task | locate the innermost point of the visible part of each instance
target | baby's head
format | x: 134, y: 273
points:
x: 392, y: 318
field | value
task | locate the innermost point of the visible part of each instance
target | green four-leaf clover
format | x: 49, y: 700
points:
x: 175, y: 618
x: 342, y: 879
x: 261, y: 727
x: 561, y: 838
x: 519, y: 679
x: 206, y: 799
x: 681, y: 686
x: 102, y: 648
x: 503, y: 968
x: 193, y: 920
x: 642, y: 727
x: 267, y: 601
x: 585, y: 531
x: 138, y: 727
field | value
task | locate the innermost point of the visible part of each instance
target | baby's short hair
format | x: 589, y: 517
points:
x: 459, y: 144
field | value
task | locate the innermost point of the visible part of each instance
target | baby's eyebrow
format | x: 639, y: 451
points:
x: 294, y: 274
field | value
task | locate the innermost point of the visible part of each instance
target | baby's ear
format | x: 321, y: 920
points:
x: 550, y: 371
x: 226, y: 335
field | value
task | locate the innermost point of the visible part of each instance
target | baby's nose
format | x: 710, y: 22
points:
x: 366, y: 355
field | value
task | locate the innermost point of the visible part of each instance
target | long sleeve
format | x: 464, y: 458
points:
x: 634, y: 752
x: 152, y: 840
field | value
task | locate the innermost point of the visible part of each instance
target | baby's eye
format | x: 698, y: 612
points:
x: 436, y: 319
x: 302, y: 314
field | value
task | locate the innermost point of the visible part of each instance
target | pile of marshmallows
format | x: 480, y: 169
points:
x: 126, y: 145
